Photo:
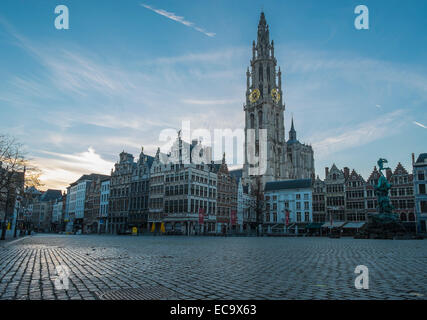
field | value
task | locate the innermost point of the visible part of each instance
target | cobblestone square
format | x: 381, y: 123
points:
x: 178, y: 267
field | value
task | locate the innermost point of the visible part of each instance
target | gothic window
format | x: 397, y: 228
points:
x: 256, y: 147
x: 260, y: 73
x: 261, y: 90
x: 260, y: 119
x: 268, y: 76
x: 252, y: 121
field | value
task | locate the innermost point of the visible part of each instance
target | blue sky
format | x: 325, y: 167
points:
x: 123, y: 72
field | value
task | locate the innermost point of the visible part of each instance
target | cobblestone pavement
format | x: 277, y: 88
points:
x: 211, y: 267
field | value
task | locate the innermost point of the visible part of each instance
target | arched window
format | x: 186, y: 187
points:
x: 260, y: 119
x: 403, y: 216
x: 261, y: 90
x: 268, y: 74
x: 252, y: 121
x: 260, y: 73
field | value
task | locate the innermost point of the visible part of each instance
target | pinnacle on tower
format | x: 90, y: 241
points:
x: 263, y: 37
x: 292, y: 132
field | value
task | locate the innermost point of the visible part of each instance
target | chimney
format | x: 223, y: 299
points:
x: 413, y: 159
x: 326, y: 172
x: 346, y: 172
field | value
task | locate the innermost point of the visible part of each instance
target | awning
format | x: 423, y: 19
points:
x: 314, y: 225
x: 335, y: 224
x: 354, y: 225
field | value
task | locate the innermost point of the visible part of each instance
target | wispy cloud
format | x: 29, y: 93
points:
x: 361, y: 134
x: 420, y: 125
x: 174, y: 17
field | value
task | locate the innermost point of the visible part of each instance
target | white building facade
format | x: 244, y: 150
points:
x: 103, y: 206
x: 287, y: 206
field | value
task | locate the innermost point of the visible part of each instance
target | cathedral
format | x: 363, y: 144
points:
x: 268, y: 156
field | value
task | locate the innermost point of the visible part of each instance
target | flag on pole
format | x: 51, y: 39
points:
x: 162, y: 228
x: 201, y: 215
x: 153, y: 227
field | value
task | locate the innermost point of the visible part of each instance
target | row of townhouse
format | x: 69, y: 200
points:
x: 173, y: 193
x: 344, y: 198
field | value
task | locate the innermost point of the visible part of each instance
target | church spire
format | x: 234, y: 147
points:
x: 292, y: 132
x: 263, y: 40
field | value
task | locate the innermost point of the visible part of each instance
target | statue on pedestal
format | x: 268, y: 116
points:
x: 384, y: 224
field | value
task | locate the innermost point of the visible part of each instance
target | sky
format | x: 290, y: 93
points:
x: 126, y: 70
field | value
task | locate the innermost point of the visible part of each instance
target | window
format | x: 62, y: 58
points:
x: 306, y: 216
x: 422, y: 189
x: 260, y: 119
x: 298, y: 216
x: 423, y: 206
x: 421, y: 176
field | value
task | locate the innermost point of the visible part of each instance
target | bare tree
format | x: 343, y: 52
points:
x: 16, y: 172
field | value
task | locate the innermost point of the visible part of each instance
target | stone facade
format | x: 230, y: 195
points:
x: 121, y: 179
x: 264, y: 109
x: 140, y: 192
x: 268, y: 157
x: 181, y: 190
x: 420, y: 186
x: 226, y: 215
x: 299, y: 158
x: 402, y: 196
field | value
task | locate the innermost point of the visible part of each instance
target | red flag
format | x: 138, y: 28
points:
x: 201, y: 215
x: 233, y: 217
x: 287, y: 217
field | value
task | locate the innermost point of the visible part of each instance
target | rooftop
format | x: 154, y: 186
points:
x: 288, y: 184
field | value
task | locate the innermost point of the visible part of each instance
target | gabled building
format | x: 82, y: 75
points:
x: 226, y: 201
x: 82, y: 199
x: 183, y: 190
x: 120, y: 185
x: 402, y: 196
x: 246, y: 204
x: 420, y: 188
x: 140, y: 192
x: 319, y: 200
x: 335, y: 196
x: 355, y: 197
x: 371, y: 198
x: 103, y: 205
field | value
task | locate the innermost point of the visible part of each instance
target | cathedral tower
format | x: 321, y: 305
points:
x: 264, y: 114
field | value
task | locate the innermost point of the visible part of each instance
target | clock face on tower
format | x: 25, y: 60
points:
x: 275, y: 95
x: 254, y: 95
